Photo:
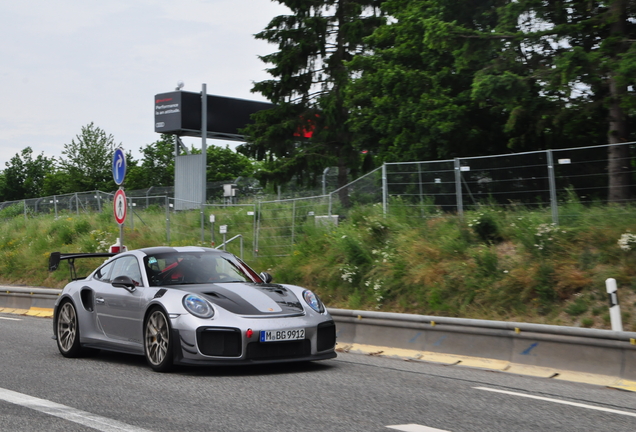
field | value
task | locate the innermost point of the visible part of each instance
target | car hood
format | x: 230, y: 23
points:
x: 251, y: 299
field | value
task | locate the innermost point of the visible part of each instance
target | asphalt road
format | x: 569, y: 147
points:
x: 41, y: 390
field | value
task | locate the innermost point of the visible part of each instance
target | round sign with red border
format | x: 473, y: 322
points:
x: 120, y: 206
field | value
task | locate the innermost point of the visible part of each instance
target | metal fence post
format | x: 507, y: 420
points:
x: 25, y: 209
x: 202, y: 223
x: 55, y: 204
x: 254, y: 231
x: 293, y: 227
x: 147, y: 194
x: 385, y: 192
x: 419, y: 181
x: 554, y: 205
x: 458, y: 189
x: 167, y: 220
x: 99, y: 201
x: 132, y: 213
x: 258, y: 229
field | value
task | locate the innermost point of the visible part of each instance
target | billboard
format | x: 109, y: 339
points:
x: 179, y: 113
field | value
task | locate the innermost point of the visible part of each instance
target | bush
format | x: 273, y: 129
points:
x: 587, y: 322
x: 12, y: 211
x: 578, y: 307
x: 486, y: 228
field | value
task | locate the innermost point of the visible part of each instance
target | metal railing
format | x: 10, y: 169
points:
x: 238, y: 236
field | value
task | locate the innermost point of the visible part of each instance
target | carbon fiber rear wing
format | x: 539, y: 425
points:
x: 57, y: 257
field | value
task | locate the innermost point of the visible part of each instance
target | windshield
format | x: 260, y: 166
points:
x: 177, y: 268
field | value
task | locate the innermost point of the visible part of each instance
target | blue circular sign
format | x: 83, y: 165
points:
x: 119, y: 166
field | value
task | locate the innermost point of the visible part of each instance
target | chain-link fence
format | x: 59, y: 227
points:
x: 280, y: 223
x: 541, y: 179
x: 270, y: 225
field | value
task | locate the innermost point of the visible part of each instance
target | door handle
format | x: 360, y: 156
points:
x: 100, y: 300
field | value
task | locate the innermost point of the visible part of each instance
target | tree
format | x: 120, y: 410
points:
x: 157, y: 165
x: 225, y: 164
x: 309, y: 80
x: 582, y: 53
x: 24, y: 176
x: 530, y: 73
x: 463, y: 78
x: 89, y: 159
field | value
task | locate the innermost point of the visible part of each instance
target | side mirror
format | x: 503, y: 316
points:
x: 124, y: 282
x: 267, y: 278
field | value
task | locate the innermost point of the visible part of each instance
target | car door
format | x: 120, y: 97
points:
x: 119, y: 310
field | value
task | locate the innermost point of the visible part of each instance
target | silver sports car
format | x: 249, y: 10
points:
x: 188, y: 306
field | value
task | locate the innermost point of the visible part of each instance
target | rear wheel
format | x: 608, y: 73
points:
x: 68, y: 331
x: 157, y: 341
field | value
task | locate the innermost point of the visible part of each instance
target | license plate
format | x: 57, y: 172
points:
x: 282, y: 335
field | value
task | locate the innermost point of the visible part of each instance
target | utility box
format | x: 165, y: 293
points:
x: 229, y: 190
x: 326, y: 220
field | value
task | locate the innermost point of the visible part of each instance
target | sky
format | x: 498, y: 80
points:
x: 67, y: 63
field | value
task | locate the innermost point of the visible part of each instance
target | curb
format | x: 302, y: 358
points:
x: 34, y: 311
x: 489, y: 364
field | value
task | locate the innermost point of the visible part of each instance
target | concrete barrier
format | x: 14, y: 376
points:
x: 550, y: 350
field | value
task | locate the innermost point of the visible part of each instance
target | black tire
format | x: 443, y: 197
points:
x: 67, y: 332
x: 158, y: 341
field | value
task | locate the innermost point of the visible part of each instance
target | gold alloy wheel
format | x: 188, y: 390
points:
x: 66, y: 327
x: 157, y: 337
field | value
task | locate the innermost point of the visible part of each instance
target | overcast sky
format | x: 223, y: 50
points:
x: 67, y: 63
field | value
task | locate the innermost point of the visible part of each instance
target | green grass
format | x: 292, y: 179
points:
x: 505, y: 264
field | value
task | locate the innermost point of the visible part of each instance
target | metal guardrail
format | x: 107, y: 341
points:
x: 26, y: 298
x: 475, y: 325
x: 593, y: 351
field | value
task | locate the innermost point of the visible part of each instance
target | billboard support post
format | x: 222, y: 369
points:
x: 204, y: 153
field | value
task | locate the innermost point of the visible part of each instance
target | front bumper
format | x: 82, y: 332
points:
x: 218, y: 345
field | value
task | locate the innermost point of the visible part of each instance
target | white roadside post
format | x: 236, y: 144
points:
x: 614, y: 308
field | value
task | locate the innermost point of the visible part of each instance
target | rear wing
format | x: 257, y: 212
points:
x: 57, y: 257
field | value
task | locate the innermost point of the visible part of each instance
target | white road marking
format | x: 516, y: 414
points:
x: 11, y: 319
x: 94, y: 421
x: 576, y: 404
x: 415, y: 428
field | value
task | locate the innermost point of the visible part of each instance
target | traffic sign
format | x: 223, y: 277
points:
x: 119, y: 166
x: 120, y: 206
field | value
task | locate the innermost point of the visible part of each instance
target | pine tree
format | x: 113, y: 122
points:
x: 308, y: 128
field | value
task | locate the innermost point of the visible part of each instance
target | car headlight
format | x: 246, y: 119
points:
x: 313, y: 301
x: 198, y: 306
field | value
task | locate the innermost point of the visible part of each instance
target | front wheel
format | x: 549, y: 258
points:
x: 68, y: 332
x: 157, y: 341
